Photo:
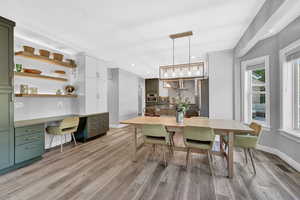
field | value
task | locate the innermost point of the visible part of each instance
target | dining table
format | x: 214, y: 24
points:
x: 220, y: 126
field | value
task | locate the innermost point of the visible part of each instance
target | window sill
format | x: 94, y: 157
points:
x: 291, y: 134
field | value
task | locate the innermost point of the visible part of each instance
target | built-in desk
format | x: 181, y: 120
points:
x: 30, y: 122
x: 29, y: 140
x: 29, y: 136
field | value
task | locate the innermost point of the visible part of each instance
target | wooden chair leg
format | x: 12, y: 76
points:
x: 246, y: 159
x: 209, y: 154
x: 164, y: 155
x: 187, y: 158
x: 61, y: 143
x: 252, y: 160
x: 170, y: 149
x: 74, y: 138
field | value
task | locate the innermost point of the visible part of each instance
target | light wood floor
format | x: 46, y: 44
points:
x: 102, y: 169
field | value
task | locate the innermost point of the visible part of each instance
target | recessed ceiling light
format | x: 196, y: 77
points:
x: 132, y: 65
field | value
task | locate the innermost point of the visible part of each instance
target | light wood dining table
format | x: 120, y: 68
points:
x: 221, y: 127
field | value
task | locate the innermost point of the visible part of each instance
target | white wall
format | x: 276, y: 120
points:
x: 113, y: 95
x: 34, y: 107
x: 128, y: 95
x: 123, y: 90
x: 31, y: 108
x: 221, y: 84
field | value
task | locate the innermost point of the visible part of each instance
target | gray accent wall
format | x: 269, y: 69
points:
x: 273, y: 138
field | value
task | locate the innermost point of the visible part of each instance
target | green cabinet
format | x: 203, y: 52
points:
x: 29, y: 142
x: 92, y: 126
x: 6, y: 94
x: 6, y: 150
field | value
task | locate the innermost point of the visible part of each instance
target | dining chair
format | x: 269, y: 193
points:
x: 157, y: 135
x: 248, y: 142
x: 199, y: 138
x: 66, y: 126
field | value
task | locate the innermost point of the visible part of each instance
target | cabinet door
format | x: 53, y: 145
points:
x: 6, y: 55
x: 6, y: 131
x: 91, y: 67
x: 5, y: 108
x: 91, y: 96
x: 6, y: 149
x: 102, y: 70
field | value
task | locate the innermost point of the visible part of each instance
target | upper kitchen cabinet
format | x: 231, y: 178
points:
x: 6, y: 53
x: 91, y: 67
x: 92, y: 84
x: 6, y: 94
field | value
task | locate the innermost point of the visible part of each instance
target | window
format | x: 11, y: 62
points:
x: 257, y: 94
x: 255, y: 91
x: 290, y: 89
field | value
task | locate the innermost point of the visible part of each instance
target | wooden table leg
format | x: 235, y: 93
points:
x: 221, y: 144
x: 134, y: 144
x: 230, y: 154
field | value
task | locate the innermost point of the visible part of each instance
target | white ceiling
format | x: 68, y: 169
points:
x: 133, y: 34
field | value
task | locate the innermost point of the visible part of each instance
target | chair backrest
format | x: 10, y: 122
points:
x: 199, y: 133
x: 256, y: 127
x: 154, y: 131
x: 69, y: 123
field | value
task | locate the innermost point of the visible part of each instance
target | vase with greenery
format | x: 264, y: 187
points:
x: 182, y: 105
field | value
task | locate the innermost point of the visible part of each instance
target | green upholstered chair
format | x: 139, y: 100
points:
x: 247, y: 141
x: 199, y: 138
x: 157, y: 135
x: 67, y: 126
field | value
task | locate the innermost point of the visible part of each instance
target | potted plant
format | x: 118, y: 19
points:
x: 181, y: 107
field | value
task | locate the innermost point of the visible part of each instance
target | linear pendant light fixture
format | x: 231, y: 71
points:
x: 182, y: 71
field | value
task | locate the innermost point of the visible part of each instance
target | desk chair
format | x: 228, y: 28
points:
x: 67, y: 126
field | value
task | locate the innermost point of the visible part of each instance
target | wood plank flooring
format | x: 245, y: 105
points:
x: 102, y: 169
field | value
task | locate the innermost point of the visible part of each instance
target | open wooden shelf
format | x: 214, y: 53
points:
x: 40, y: 76
x: 44, y: 59
x: 46, y: 95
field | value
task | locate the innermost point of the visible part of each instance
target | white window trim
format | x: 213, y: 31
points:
x: 295, y: 98
x: 245, y: 112
x: 283, y: 64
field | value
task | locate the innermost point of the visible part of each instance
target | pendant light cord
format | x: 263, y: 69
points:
x: 173, y: 52
x: 189, y: 51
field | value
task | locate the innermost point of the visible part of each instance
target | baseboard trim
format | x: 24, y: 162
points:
x: 281, y: 155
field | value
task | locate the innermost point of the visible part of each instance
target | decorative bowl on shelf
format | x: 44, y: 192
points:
x: 60, y: 72
x: 69, y: 89
x: 71, y: 61
x: 28, y: 49
x: 58, y: 56
x: 32, y: 71
x: 44, y: 53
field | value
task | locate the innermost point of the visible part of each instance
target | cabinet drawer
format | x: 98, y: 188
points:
x: 28, y: 151
x: 28, y: 138
x: 29, y: 129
